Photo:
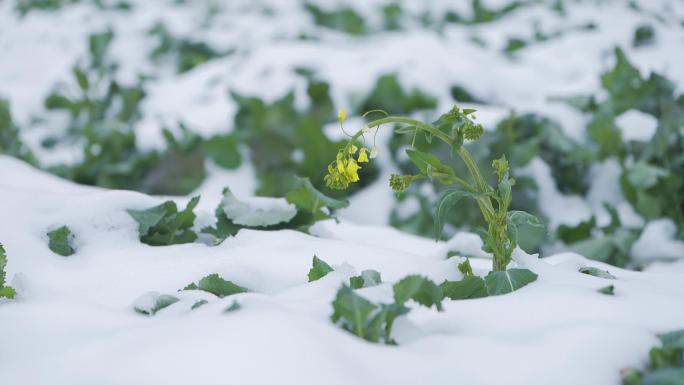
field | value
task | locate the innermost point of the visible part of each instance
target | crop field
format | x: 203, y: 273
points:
x: 471, y: 192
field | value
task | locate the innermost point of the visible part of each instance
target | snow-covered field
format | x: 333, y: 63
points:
x: 77, y: 319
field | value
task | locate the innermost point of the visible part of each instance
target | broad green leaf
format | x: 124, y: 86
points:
x: 60, y: 241
x: 367, y: 278
x: 468, y: 287
x: 351, y: 311
x: 673, y: 339
x: 384, y: 320
x: 308, y: 198
x: 572, y: 234
x: 216, y: 285
x: 596, y: 272
x: 223, y: 150
x: 446, y: 202
x: 152, y: 302
x: 419, y: 289
x: 430, y: 165
x: 319, y: 269
x: 669, y: 376
x: 666, y: 357
x: 163, y: 225
x: 224, y: 227
x: 502, y: 282
x: 517, y: 221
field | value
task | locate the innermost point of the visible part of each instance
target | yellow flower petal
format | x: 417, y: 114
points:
x: 363, y: 156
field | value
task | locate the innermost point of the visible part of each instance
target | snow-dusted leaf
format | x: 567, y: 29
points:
x: 468, y: 287
x: 150, y: 303
x: 319, y: 269
x: 367, y: 278
x: 419, y: 289
x: 216, y: 285
x: 257, y: 211
x: 596, y: 272
x: 60, y: 241
x: 502, y: 282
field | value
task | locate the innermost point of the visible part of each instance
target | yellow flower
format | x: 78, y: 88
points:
x: 352, y: 170
x: 363, y: 155
x: 352, y: 149
x: 342, y: 115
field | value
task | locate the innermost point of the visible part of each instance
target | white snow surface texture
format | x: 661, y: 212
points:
x: 73, y: 322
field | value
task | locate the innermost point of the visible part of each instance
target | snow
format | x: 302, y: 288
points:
x: 636, y: 125
x: 77, y: 308
x: 656, y: 242
x: 74, y: 322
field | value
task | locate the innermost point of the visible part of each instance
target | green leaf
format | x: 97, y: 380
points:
x: 216, y: 285
x: 608, y: 290
x: 5, y: 291
x: 351, y: 311
x: 157, y: 303
x: 367, y: 278
x: 670, y: 376
x: 507, y: 281
x: 518, y: 220
x: 643, y: 176
x: 673, y: 339
x: 419, y: 289
x: 3, y: 264
x: 223, y: 150
x: 596, y: 272
x: 465, y: 268
x: 60, y: 241
x: 431, y: 166
x: 163, y: 225
x: 666, y: 357
x: 224, y: 227
x: 572, y: 234
x: 319, y: 269
x: 308, y: 198
x: 446, y: 202
x: 468, y: 287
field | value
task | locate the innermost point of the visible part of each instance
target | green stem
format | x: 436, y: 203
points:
x: 485, y: 203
